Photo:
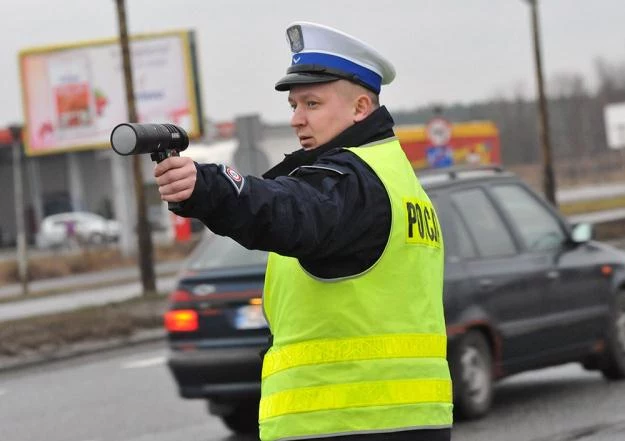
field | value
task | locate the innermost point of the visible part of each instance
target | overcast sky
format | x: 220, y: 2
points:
x: 443, y: 50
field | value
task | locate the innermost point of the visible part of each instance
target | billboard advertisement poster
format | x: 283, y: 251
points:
x: 74, y: 95
x: 441, y: 143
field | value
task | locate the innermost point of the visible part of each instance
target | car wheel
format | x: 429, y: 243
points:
x: 613, y: 363
x: 96, y: 239
x: 471, y: 364
x: 243, y: 419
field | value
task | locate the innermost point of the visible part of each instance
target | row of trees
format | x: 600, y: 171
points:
x: 576, y: 118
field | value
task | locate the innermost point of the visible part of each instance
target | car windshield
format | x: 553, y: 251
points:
x: 222, y: 252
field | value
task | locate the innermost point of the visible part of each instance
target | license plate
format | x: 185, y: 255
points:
x: 250, y: 317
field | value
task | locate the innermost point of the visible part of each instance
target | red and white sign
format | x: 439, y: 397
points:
x: 438, y: 131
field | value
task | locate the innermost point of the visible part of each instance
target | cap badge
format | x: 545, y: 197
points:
x: 296, y: 39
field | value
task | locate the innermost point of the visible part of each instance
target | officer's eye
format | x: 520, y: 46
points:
x: 293, y: 106
x: 312, y: 104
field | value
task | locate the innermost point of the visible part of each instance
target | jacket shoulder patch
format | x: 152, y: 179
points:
x: 234, y: 177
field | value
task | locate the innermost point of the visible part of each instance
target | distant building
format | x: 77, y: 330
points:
x: 90, y: 180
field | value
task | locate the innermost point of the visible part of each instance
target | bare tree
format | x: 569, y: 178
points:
x: 576, y: 111
x: 611, y: 80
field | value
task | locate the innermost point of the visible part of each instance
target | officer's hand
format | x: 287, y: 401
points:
x: 176, y: 178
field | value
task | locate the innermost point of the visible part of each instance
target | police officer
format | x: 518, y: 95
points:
x: 353, y: 288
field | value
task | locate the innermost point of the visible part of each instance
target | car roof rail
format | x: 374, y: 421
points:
x: 459, y: 172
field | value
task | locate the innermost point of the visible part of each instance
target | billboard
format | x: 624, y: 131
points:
x: 73, y: 95
x: 441, y: 143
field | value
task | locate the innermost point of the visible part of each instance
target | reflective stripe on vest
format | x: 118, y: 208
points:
x: 353, y: 349
x: 361, y: 394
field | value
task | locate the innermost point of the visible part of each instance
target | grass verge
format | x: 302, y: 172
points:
x: 49, y: 333
x: 589, y: 206
x: 87, y: 260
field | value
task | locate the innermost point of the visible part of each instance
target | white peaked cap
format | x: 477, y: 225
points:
x: 321, y: 54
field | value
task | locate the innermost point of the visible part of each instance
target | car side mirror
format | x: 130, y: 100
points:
x: 581, y: 233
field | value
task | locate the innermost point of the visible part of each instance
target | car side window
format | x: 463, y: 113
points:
x: 538, y: 227
x: 458, y: 244
x: 484, y: 223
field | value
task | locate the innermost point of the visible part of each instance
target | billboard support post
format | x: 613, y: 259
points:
x: 146, y: 252
x: 22, y: 258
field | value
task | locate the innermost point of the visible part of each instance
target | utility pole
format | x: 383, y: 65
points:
x: 549, y: 181
x: 146, y: 249
x: 18, y: 190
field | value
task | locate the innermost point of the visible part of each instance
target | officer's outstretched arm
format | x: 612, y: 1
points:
x: 295, y: 217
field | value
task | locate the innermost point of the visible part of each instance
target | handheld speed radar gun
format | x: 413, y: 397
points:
x: 161, y: 141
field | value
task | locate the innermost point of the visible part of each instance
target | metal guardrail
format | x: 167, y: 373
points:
x: 598, y: 217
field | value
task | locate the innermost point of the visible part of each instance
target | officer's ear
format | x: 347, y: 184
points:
x: 363, y: 107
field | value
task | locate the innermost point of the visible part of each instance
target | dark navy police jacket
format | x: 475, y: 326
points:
x: 324, y: 206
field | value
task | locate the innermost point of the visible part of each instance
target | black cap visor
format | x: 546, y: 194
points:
x: 300, y: 78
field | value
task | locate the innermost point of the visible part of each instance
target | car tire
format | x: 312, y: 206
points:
x: 471, y: 364
x: 243, y: 419
x: 612, y: 364
x: 96, y: 239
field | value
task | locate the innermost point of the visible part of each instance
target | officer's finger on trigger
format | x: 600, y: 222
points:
x: 167, y: 164
x: 160, y: 168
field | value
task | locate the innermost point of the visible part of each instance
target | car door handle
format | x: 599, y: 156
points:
x: 553, y: 274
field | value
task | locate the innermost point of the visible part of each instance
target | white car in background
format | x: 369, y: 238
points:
x: 75, y: 228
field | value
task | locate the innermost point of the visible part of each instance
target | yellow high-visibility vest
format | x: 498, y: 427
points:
x: 362, y: 354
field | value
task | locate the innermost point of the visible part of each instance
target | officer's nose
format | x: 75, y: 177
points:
x: 298, y: 119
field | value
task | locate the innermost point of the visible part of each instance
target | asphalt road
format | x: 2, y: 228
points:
x: 128, y: 395
x: 125, y: 395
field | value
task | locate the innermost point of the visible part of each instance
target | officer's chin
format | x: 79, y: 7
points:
x: 308, y: 143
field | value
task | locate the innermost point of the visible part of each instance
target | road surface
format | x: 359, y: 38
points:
x: 128, y: 395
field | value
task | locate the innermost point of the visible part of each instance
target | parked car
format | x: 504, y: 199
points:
x: 61, y: 229
x: 523, y: 290
x: 217, y: 330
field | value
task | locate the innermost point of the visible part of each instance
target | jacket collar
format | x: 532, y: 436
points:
x: 377, y: 126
